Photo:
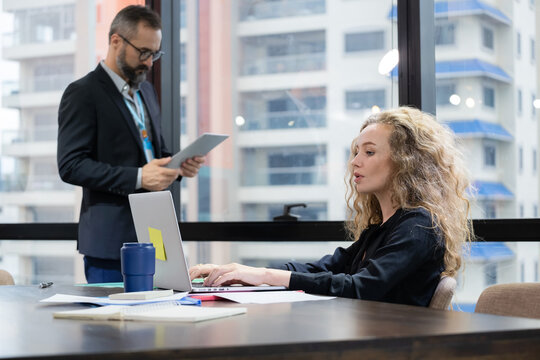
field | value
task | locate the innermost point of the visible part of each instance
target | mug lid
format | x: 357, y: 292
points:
x: 137, y: 244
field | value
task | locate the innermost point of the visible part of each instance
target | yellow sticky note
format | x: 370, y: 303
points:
x: 157, y: 240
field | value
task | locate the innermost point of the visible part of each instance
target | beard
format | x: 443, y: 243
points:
x: 131, y: 73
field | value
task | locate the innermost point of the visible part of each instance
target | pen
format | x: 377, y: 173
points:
x: 44, y: 285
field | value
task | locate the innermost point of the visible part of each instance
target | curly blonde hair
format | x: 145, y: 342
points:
x: 428, y: 172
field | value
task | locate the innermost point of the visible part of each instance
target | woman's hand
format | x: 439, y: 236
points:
x: 239, y: 274
x: 201, y: 270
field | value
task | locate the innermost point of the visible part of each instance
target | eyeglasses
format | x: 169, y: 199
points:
x: 144, y: 54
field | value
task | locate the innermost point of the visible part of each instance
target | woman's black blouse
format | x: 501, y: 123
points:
x: 403, y: 260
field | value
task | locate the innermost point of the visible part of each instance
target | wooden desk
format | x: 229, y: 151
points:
x: 334, y: 329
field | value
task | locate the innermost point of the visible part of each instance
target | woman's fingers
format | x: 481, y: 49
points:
x: 200, y: 270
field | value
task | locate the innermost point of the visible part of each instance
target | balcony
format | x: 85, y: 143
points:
x: 250, y: 10
x: 14, y: 50
x: 10, y: 87
x: 52, y: 82
x: 285, y: 64
x: 46, y: 91
x: 35, y: 134
x: 282, y: 176
x: 25, y: 183
x: 286, y: 120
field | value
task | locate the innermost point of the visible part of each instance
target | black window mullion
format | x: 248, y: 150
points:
x: 416, y: 46
x: 166, y: 79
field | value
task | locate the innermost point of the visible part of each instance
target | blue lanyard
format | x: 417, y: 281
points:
x: 147, y: 145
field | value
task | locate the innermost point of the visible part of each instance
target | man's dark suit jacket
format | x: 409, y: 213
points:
x: 100, y: 149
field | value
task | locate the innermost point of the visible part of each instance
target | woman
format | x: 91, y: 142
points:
x: 407, y: 208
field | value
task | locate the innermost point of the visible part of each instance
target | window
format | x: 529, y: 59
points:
x: 266, y: 212
x: 489, y: 96
x: 519, y: 102
x: 444, y: 34
x: 518, y: 44
x: 295, y: 165
x: 490, y: 155
x: 183, y: 68
x: 282, y: 53
x: 53, y: 74
x: 487, y: 38
x: 283, y: 109
x: 45, y: 127
x: 366, y: 41
x: 490, y: 274
x: 249, y: 10
x: 534, y: 161
x: 521, y: 210
x: 533, y: 51
x: 489, y: 209
x: 183, y: 116
x: 520, y: 159
x: 443, y: 93
x: 365, y: 99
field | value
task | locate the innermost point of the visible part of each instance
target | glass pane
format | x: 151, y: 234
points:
x: 43, y: 50
x: 291, y: 82
x: 31, y: 262
x: 486, y: 92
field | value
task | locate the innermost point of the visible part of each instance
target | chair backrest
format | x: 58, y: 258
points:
x: 516, y: 299
x: 6, y: 278
x: 443, y: 293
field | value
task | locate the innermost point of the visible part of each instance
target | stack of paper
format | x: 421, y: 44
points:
x: 165, y: 311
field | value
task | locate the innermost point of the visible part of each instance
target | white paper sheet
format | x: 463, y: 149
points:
x: 270, y: 297
x: 63, y: 298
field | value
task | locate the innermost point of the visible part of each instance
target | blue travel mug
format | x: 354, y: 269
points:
x: 138, y: 266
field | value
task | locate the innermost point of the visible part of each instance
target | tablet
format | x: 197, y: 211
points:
x: 199, y: 147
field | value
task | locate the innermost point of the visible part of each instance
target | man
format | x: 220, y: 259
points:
x: 110, y: 141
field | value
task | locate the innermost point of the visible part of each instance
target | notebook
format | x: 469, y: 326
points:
x: 164, y: 311
x: 155, y: 221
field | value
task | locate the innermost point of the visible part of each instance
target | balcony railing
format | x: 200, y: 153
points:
x: 41, y: 83
x: 286, y: 120
x: 20, y: 38
x: 53, y: 82
x: 256, y: 10
x: 35, y: 134
x: 10, y: 87
x: 285, y: 64
x: 282, y: 176
x: 21, y: 183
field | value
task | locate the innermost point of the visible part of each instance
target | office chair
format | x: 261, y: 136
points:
x: 443, y: 293
x: 516, y: 299
x: 6, y: 278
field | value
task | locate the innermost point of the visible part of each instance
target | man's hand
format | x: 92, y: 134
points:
x: 190, y: 167
x: 156, y: 177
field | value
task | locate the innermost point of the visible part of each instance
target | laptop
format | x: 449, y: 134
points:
x: 155, y: 221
